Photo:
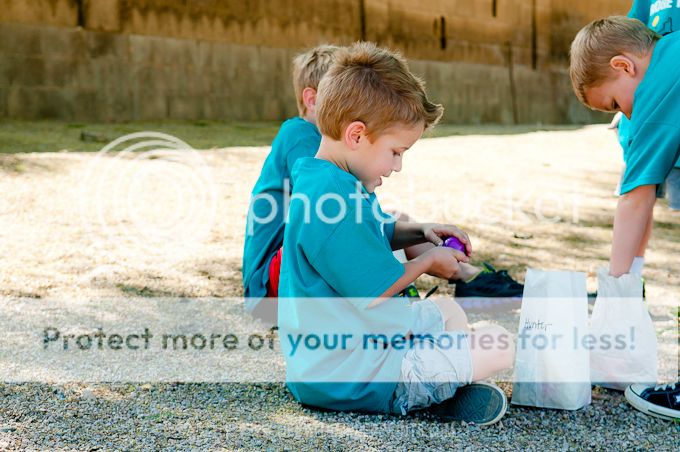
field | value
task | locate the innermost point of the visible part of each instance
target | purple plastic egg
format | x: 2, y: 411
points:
x: 453, y: 242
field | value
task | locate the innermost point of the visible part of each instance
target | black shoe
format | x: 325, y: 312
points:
x: 658, y: 401
x: 481, y: 403
x: 490, y: 283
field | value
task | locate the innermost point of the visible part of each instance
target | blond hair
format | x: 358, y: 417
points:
x: 308, y: 69
x: 600, y: 41
x: 374, y: 86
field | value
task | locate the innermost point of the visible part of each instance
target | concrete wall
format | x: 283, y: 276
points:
x: 70, y: 73
x: 110, y: 60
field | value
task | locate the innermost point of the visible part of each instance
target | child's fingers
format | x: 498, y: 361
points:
x: 449, y: 230
x: 458, y: 255
x: 433, y: 237
x: 453, y: 231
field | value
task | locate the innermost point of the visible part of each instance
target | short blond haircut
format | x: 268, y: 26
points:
x: 308, y: 69
x: 374, y: 86
x: 600, y: 41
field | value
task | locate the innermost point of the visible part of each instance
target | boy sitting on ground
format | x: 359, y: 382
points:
x: 299, y: 137
x: 348, y: 344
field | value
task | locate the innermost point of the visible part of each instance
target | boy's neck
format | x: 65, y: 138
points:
x: 333, y: 151
x: 309, y: 118
x: 642, y: 63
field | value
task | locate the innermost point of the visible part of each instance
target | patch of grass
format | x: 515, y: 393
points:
x: 54, y: 136
x: 142, y: 291
x: 579, y: 240
x: 447, y: 130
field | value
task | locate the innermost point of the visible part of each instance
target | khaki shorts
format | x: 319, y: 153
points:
x: 436, y: 364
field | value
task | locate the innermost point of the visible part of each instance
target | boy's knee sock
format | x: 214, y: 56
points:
x: 638, y: 265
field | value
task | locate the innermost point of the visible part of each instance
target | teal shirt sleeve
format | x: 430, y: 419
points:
x: 356, y: 259
x: 305, y: 146
x: 652, y: 155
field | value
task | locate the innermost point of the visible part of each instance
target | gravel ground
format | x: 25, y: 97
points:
x: 248, y: 417
x: 56, y: 244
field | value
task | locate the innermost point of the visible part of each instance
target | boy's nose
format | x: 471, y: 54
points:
x: 397, y: 165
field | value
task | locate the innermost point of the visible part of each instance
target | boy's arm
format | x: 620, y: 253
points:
x: 441, y: 262
x: 412, y: 270
x: 633, y: 213
x: 407, y: 234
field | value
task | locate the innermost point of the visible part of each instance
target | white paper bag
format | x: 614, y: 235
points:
x: 624, y: 350
x: 551, y: 368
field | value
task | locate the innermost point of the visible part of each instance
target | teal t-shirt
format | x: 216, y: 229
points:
x: 662, y: 16
x: 654, y: 140
x: 336, y: 260
x: 265, y: 221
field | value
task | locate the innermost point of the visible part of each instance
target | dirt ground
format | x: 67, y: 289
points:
x: 171, y: 223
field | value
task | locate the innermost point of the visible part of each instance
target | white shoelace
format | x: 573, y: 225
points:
x: 665, y: 387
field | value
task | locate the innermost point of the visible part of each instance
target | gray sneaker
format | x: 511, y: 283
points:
x: 481, y: 403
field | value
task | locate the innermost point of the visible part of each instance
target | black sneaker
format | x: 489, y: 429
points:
x: 490, y: 283
x: 481, y: 403
x: 658, y: 401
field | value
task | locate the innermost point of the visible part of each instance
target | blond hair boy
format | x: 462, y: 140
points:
x: 298, y: 137
x: 347, y: 344
x: 618, y: 64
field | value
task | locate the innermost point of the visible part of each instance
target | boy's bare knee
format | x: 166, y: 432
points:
x: 451, y: 310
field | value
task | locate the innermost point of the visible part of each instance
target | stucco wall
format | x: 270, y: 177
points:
x: 224, y: 59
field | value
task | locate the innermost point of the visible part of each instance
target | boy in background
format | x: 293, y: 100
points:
x: 299, y: 137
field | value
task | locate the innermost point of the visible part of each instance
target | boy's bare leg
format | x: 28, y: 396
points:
x: 454, y: 317
x: 492, y: 351
x: 491, y: 346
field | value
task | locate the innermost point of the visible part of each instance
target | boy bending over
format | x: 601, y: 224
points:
x: 618, y: 64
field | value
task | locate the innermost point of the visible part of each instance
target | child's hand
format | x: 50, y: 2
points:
x: 437, y: 233
x: 444, y: 262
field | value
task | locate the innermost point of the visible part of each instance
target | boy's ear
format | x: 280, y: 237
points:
x: 353, y: 133
x: 309, y: 99
x: 621, y: 63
